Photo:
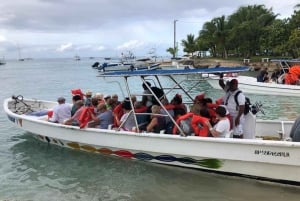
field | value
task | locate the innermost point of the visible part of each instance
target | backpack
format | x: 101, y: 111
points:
x: 247, y: 102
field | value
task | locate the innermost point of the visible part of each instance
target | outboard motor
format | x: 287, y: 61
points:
x: 96, y: 65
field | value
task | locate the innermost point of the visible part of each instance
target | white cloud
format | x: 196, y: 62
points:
x: 142, y: 25
x: 2, y: 38
x: 132, y: 44
x: 100, y: 48
x: 65, y: 47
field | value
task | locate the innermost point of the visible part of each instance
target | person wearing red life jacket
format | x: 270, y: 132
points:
x: 222, y: 127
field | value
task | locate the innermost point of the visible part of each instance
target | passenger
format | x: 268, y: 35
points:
x: 133, y: 99
x: 275, y: 75
x: 142, y: 119
x: 104, y: 117
x: 295, y: 131
x: 127, y: 121
x: 61, y: 112
x: 107, y: 99
x: 100, y: 97
x: 75, y: 98
x: 114, y: 101
x: 192, y: 123
x: 74, y: 120
x: 263, y: 75
x: 179, y: 108
x: 146, y: 99
x: 222, y: 128
x: 170, y: 109
x: 157, y: 123
x: 235, y: 111
x: 88, y: 99
x: 292, y: 77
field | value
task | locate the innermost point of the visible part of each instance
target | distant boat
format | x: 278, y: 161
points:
x: 76, y: 58
x: 19, y: 52
x: 2, y: 61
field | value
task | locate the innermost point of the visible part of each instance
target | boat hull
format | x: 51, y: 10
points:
x: 264, y: 159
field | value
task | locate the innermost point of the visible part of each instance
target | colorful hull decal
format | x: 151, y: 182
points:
x: 207, y: 163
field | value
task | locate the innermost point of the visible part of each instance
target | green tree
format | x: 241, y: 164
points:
x: 206, y: 38
x: 190, y: 44
x: 293, y: 43
x: 172, y: 51
x: 273, y: 39
x: 220, y: 34
x: 247, y: 26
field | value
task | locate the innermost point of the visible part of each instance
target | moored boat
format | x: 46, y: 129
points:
x: 250, y: 84
x: 265, y: 157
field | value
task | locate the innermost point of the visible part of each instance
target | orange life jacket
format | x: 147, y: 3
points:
x: 85, y: 116
x: 202, y: 131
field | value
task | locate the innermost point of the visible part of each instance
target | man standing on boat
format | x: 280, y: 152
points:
x: 234, y: 100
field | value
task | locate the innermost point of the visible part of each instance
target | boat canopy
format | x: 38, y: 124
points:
x: 157, y: 72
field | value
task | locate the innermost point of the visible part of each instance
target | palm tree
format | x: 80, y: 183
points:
x: 172, y: 51
x: 190, y: 44
x: 221, y: 33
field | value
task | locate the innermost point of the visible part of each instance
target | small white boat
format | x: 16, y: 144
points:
x: 250, y: 85
x: 269, y: 156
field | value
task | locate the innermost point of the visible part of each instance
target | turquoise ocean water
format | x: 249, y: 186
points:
x: 32, y: 170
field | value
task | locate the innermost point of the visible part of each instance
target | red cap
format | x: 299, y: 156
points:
x: 234, y: 81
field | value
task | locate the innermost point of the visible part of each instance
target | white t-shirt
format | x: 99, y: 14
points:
x: 231, y: 104
x: 129, y: 122
x: 223, y: 127
x: 61, y: 113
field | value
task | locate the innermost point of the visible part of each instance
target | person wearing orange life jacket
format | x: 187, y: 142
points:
x: 222, y: 127
x: 179, y: 107
x: 192, y: 123
x: 170, y: 109
x: 292, y: 77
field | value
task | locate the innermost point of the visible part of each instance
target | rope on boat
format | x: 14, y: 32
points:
x: 21, y: 109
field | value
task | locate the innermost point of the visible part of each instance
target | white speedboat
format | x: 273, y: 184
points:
x: 268, y: 156
x: 250, y: 85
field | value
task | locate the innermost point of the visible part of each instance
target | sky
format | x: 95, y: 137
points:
x: 106, y: 28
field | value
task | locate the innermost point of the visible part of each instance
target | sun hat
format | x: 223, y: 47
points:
x: 88, y: 93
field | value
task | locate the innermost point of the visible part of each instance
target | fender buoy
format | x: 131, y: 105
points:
x: 50, y: 113
x: 200, y: 130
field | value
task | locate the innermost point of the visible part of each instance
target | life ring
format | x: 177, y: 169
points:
x: 85, y: 116
x: 183, y: 117
x: 202, y: 131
